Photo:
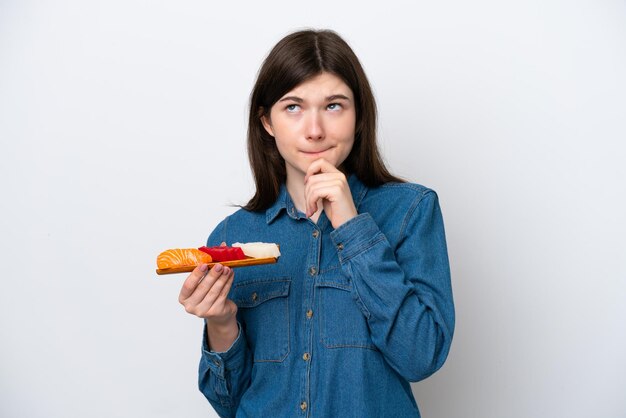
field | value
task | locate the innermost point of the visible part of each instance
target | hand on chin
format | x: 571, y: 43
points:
x: 326, y: 183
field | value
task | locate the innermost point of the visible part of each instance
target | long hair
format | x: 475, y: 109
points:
x: 295, y: 59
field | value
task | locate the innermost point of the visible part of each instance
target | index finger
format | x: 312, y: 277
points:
x: 192, y: 281
x: 319, y: 166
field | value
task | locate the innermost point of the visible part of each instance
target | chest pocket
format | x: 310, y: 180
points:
x: 263, y: 310
x: 342, y: 323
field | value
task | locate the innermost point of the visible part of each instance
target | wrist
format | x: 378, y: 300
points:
x: 220, y: 327
x: 221, y: 335
x: 348, y: 215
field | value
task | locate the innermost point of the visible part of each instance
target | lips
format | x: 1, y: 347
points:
x: 314, y: 152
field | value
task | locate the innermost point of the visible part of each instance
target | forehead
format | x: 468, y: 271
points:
x: 321, y: 85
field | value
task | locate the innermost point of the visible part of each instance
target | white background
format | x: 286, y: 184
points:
x: 122, y: 128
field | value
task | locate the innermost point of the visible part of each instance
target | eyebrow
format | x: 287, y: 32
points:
x: 328, y: 99
x: 337, y: 97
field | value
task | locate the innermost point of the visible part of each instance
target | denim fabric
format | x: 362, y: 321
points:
x: 345, y: 319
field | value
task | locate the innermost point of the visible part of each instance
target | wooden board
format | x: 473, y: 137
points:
x: 236, y: 263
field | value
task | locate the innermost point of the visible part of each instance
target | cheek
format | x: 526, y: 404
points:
x: 283, y: 147
x: 283, y: 129
x: 347, y: 148
x: 348, y: 125
x: 348, y: 130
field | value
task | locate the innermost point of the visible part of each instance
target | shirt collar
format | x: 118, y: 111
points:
x: 283, y: 201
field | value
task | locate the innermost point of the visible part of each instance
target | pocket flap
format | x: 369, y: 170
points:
x: 334, y: 279
x: 251, y: 293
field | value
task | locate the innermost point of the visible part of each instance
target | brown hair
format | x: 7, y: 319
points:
x: 295, y: 59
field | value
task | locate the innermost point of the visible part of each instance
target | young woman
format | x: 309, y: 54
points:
x: 360, y: 302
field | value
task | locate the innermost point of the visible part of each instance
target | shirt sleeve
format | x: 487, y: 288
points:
x: 404, y: 292
x: 223, y: 377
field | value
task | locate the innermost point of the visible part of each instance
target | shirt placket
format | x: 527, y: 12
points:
x: 311, y: 268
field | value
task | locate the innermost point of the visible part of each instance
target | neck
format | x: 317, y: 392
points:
x: 295, y: 188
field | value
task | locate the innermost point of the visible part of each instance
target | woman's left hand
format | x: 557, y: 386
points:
x: 326, y: 183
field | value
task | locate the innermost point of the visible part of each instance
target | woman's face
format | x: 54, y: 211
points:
x: 315, y: 120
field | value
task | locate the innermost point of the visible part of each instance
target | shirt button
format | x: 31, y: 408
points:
x: 254, y: 297
x: 309, y: 314
x: 340, y: 246
x: 312, y: 271
x: 316, y: 233
x: 306, y: 356
x: 303, y: 406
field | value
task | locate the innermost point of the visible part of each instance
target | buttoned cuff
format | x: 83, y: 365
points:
x: 230, y: 359
x: 356, y: 236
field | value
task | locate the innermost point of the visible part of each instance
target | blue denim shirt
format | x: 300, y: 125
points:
x: 345, y: 319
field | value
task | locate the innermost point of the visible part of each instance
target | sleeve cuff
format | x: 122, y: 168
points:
x: 219, y: 361
x: 356, y: 236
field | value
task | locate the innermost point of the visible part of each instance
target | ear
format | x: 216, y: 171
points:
x: 267, y: 124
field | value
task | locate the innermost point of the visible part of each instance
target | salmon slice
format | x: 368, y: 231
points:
x: 180, y: 257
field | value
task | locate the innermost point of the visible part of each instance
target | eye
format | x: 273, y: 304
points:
x: 292, y: 108
x: 334, y: 106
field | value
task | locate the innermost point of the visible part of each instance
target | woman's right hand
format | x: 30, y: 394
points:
x: 204, y: 293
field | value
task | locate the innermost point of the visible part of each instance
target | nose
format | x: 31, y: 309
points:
x: 314, y: 127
